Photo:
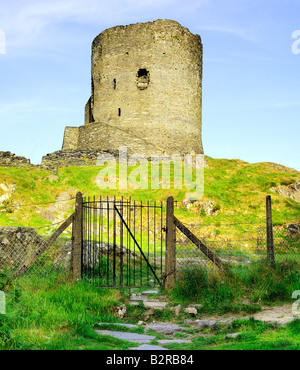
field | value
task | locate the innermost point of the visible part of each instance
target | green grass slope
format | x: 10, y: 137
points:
x: 236, y: 188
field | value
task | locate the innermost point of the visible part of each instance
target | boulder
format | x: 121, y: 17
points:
x: 290, y: 191
x: 17, y: 245
x: 294, y: 228
x: 203, y: 205
x: 7, y: 192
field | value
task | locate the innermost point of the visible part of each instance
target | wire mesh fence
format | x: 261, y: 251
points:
x: 38, y: 251
x: 19, y: 249
x: 237, y: 245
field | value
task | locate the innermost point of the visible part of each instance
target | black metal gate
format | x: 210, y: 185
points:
x: 123, y: 243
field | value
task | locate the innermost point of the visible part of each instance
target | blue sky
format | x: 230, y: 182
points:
x: 251, y: 84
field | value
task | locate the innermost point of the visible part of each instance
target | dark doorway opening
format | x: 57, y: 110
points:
x: 143, y: 78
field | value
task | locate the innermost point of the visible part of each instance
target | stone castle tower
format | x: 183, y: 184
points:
x: 146, y: 91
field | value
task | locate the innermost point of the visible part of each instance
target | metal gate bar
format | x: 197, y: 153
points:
x: 122, y: 242
x: 137, y: 244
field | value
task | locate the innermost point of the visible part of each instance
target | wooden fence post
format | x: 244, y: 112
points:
x: 77, y: 238
x: 270, y: 241
x: 170, y: 245
x: 72, y: 242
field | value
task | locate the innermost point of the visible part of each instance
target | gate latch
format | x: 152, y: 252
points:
x: 164, y: 229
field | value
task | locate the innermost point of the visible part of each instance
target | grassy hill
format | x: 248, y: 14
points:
x: 236, y: 189
x: 55, y: 314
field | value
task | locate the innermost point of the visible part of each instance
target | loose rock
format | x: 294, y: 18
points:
x: 177, y: 310
x: 192, y: 311
x: 197, y: 305
x: 147, y: 314
x: 233, y: 335
x: 122, y: 310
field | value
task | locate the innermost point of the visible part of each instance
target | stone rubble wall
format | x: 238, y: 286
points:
x: 67, y: 158
x: 7, y: 159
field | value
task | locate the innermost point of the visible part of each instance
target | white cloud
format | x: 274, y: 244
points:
x: 25, y: 21
x: 236, y: 31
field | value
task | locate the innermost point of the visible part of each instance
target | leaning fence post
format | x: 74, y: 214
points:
x: 170, y: 245
x: 77, y: 238
x: 270, y: 241
x: 72, y: 243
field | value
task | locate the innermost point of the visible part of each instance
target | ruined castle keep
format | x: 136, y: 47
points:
x: 146, y: 91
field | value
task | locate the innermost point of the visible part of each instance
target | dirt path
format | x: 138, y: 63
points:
x: 276, y: 314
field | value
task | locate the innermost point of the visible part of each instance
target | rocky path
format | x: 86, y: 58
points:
x: 280, y: 315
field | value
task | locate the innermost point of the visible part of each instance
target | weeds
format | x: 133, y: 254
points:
x: 260, y: 283
x: 55, y: 315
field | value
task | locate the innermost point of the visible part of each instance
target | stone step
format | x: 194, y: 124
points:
x: 201, y: 324
x: 138, y: 297
x: 149, y: 347
x: 153, y: 291
x: 156, y: 305
x: 164, y: 328
x: 130, y: 326
x: 130, y: 337
x: 170, y: 341
x: 134, y: 303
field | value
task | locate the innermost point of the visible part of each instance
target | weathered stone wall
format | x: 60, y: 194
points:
x: 71, y: 137
x: 108, y: 137
x: 88, y: 116
x: 146, y: 90
x: 7, y: 159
